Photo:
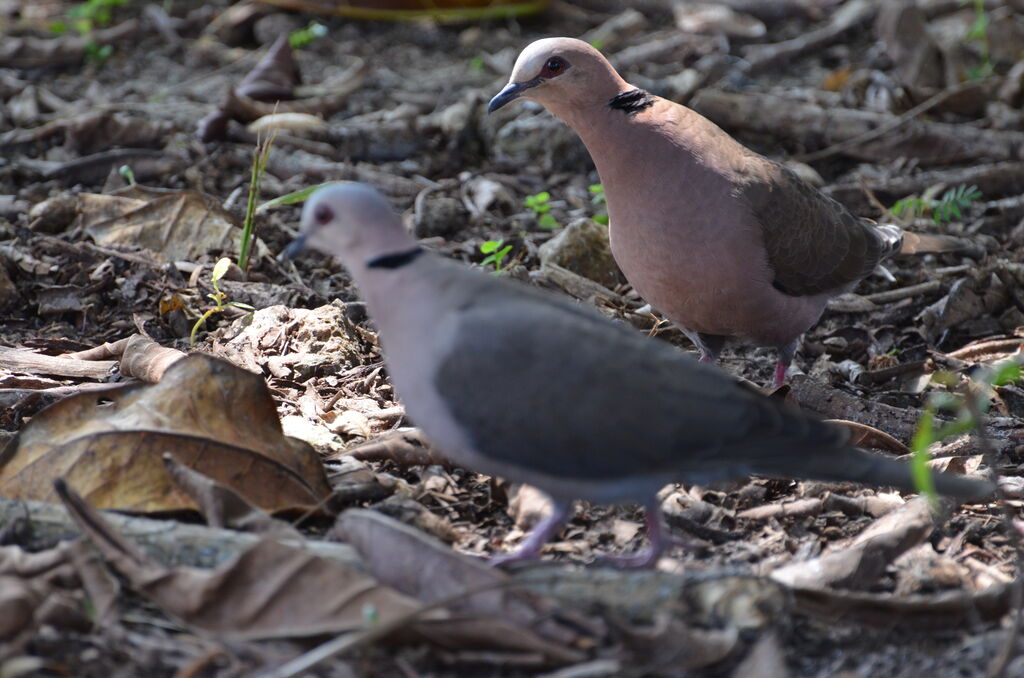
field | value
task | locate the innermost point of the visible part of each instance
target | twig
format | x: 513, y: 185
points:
x: 904, y: 292
x: 902, y: 119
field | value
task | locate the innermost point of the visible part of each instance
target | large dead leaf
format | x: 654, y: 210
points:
x: 178, y: 225
x: 861, y: 563
x: 206, y: 413
x: 500, y: 615
x: 271, y: 590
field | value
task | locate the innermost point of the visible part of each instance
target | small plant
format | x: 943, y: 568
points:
x: 476, y: 64
x: 978, y: 34
x: 945, y: 209
x: 967, y: 409
x: 540, y: 205
x: 304, y: 37
x: 260, y: 156
x: 293, y: 197
x: 218, y: 297
x: 85, y: 17
x: 127, y: 174
x: 495, y: 254
x: 597, y: 198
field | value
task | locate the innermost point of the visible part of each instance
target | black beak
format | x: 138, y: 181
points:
x: 512, y: 91
x: 294, y: 248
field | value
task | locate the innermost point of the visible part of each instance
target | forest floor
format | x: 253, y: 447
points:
x: 904, y: 113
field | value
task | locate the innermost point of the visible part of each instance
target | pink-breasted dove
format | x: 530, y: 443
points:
x: 723, y: 241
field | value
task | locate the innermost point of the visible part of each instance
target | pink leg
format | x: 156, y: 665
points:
x: 785, y: 358
x: 780, y: 374
x: 648, y: 557
x: 531, y: 546
x: 706, y: 357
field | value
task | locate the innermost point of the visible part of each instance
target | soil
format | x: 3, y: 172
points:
x: 415, y: 126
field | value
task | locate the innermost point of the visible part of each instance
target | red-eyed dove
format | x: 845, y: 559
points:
x: 509, y: 381
x: 723, y: 241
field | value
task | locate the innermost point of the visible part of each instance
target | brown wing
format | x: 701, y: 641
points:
x: 814, y: 244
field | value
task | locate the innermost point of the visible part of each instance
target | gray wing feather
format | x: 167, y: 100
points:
x: 570, y: 394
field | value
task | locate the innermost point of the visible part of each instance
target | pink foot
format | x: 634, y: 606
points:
x: 531, y: 546
x: 780, y: 375
x: 648, y: 557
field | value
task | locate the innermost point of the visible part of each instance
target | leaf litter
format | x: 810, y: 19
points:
x: 90, y: 262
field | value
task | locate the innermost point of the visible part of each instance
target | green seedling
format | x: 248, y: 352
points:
x: 950, y: 206
x: 260, y: 156
x: 127, y: 174
x: 597, y: 198
x: 218, y: 298
x: 495, y: 254
x: 540, y: 205
x: 84, y: 18
x: 304, y: 37
x: 293, y: 197
x: 476, y: 64
x: 978, y: 34
x: 965, y: 416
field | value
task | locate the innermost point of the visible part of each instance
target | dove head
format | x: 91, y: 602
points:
x: 563, y: 75
x: 352, y: 222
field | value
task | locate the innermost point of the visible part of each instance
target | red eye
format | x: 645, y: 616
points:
x: 554, y: 66
x: 323, y: 214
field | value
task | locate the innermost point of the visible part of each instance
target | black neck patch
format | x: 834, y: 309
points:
x: 631, y: 102
x: 395, y: 259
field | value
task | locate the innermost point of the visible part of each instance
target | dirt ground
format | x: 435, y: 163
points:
x: 874, y: 102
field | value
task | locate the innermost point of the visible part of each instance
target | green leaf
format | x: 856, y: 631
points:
x: 1006, y: 373
x: 601, y: 219
x: 490, y: 246
x: 547, y: 221
x: 220, y: 268
x: 922, y: 440
x: 294, y: 197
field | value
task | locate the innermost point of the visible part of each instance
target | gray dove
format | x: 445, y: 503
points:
x: 509, y: 381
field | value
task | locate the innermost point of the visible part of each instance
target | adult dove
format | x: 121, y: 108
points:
x: 509, y: 381
x: 723, y: 241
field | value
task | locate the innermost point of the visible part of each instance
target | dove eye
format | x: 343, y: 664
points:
x: 322, y: 215
x: 554, y: 66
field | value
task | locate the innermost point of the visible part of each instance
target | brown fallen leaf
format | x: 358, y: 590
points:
x: 860, y: 563
x: 208, y: 414
x: 145, y: 359
x: 421, y: 567
x: 269, y: 591
x: 923, y: 613
x: 177, y: 225
x: 221, y: 507
x: 862, y: 435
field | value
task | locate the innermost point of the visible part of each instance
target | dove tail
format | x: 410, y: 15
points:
x: 852, y: 464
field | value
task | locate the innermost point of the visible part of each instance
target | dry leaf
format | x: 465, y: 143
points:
x: 208, y: 414
x: 270, y: 591
x: 177, y: 225
x: 421, y: 567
